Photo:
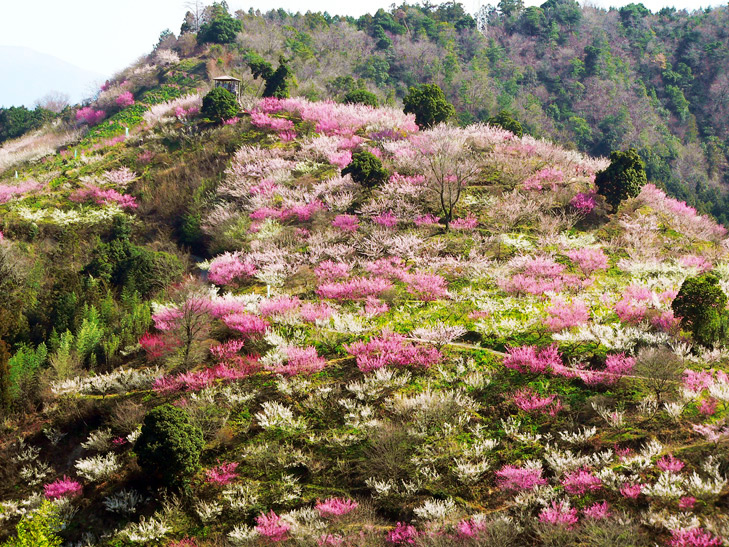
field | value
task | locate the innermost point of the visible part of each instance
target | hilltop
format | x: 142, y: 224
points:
x: 458, y: 342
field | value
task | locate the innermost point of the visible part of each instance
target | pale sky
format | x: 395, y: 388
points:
x: 105, y: 36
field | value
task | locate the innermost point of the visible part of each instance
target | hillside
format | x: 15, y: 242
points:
x: 338, y: 359
x: 587, y: 78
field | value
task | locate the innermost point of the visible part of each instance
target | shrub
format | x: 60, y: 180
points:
x: 38, y: 529
x: 366, y: 168
x: 169, y: 446
x: 219, y: 104
x: 429, y: 105
x: 700, y: 304
x: 505, y: 120
x: 623, y: 178
x: 361, y: 96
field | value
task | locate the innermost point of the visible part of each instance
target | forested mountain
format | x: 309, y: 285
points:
x: 587, y: 78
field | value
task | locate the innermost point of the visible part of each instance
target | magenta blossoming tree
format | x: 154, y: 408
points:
x: 62, y: 488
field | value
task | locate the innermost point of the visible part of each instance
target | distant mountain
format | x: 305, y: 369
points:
x: 28, y: 75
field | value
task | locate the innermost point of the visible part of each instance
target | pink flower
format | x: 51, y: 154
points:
x: 559, y: 514
x: 392, y: 349
x: 597, y: 511
x: 332, y: 271
x: 300, y: 361
x: 564, y: 315
x: 707, y: 407
x: 403, y: 534
x: 694, y: 537
x: 527, y: 400
x: 589, y: 259
x: 469, y: 529
x: 698, y: 262
x: 670, y: 464
x: 221, y: 474
x: 511, y: 477
x: 346, y: 223
x: 272, y: 527
x: 529, y: 359
x: 427, y: 287
x: 548, y: 176
x: 618, y: 365
x: 580, y: 482
x: 697, y: 381
x: 686, y: 503
x: 375, y: 306
x: 226, y: 268
x: 426, y: 220
x: 631, y: 491
x: 341, y: 159
x: 227, y: 350
x: 584, y: 203
x: 90, y: 116
x: 630, y: 312
x: 155, y: 345
x: 354, y: 289
x: 665, y: 321
x: 469, y: 222
x: 334, y: 507
x: 247, y: 324
x: 62, y: 488
x: 283, y: 305
x: 388, y: 219
x: 125, y: 99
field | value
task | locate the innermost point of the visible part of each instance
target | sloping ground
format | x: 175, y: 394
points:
x: 360, y: 374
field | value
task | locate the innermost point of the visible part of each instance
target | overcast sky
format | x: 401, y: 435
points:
x: 104, y: 36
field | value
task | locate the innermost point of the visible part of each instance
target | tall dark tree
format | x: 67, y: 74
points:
x: 169, y: 446
x: 429, y: 105
x: 623, y: 178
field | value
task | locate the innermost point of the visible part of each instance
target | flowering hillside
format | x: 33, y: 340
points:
x: 472, y: 350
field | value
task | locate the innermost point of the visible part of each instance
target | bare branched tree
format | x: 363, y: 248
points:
x: 450, y: 164
x: 55, y: 101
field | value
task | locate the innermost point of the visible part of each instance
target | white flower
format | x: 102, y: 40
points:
x: 99, y: 440
x: 208, y: 511
x: 668, y: 485
x: 98, y: 467
x: 241, y: 535
x: 434, y: 509
x: 240, y: 497
x: 147, y: 530
x: 578, y: 437
x: 470, y: 473
x: 124, y: 501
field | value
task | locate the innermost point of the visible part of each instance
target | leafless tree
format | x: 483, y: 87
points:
x: 55, y: 101
x: 451, y: 165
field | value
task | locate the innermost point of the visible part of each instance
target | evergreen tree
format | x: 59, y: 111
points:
x: 169, y: 446
x: 429, y: 105
x: 700, y: 304
x: 219, y: 104
x: 623, y: 178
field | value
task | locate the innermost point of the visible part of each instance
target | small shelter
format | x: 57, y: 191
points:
x: 229, y: 83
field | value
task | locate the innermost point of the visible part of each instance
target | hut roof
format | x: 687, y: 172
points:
x: 227, y: 79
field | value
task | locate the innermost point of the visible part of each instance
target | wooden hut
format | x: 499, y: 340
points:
x: 229, y: 83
